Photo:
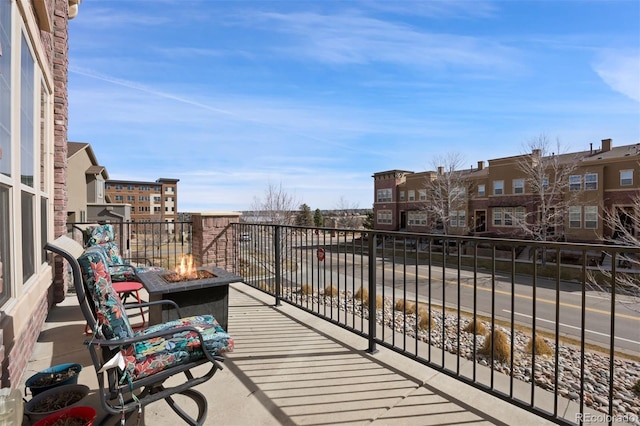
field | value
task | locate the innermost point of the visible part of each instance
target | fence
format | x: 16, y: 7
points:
x: 161, y: 243
x: 549, y: 327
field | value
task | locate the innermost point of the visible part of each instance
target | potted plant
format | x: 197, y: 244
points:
x: 53, y: 400
x: 62, y: 374
x: 73, y: 416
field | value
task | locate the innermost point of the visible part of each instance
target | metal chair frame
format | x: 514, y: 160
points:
x: 148, y: 389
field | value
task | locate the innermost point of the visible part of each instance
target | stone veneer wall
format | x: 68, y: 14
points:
x: 61, y: 120
x: 55, y: 45
x: 212, y: 244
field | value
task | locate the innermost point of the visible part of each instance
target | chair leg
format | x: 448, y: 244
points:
x: 200, y: 401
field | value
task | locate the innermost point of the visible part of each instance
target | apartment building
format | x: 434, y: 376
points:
x: 150, y: 201
x: 557, y: 196
x: 33, y: 157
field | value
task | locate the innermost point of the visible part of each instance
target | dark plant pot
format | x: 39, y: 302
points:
x: 54, y: 400
x: 81, y: 414
x: 52, y: 377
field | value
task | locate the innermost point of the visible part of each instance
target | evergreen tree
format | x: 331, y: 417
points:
x: 368, y: 221
x: 318, y: 220
x: 304, y: 217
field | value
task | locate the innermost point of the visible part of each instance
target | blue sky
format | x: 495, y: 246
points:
x: 316, y: 96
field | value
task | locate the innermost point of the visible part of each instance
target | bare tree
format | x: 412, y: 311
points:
x: 547, y: 173
x: 344, y: 214
x: 447, y: 192
x: 625, y: 224
x: 277, y: 207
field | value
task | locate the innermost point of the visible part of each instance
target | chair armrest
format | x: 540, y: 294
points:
x: 162, y: 333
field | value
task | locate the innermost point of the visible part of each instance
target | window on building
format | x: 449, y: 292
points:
x: 131, y: 187
x: 417, y: 218
x: 462, y: 219
x: 119, y: 187
x: 401, y: 195
x: 129, y: 197
x: 384, y: 195
x: 384, y: 217
x: 575, y: 219
x: 591, y: 217
x: 498, y: 187
x: 118, y: 198
x: 545, y: 183
x: 481, y: 190
x: 497, y: 217
x: 520, y: 214
x: 626, y: 177
x: 575, y: 183
x: 508, y: 216
x: 422, y: 193
x: 518, y: 186
x: 453, y: 219
x: 591, y: 181
x: 412, y: 195
x: 156, y: 198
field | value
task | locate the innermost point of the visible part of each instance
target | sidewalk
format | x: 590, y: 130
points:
x: 292, y: 368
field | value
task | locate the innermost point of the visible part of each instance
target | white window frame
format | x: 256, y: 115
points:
x: 518, y: 186
x: 411, y: 195
x: 626, y: 177
x: 498, y: 187
x: 496, y: 216
x: 575, y: 183
x: 481, y: 190
x: 384, y: 195
x: 590, y: 181
x: 422, y: 194
x: 590, y: 217
x: 384, y: 217
x: 575, y: 217
x: 401, y: 195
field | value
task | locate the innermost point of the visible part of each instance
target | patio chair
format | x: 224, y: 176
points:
x: 133, y: 367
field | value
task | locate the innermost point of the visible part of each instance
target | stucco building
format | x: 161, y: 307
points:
x: 150, y: 201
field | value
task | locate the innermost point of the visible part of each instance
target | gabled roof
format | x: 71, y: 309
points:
x: 75, y: 148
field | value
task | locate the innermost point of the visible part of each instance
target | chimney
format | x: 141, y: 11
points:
x: 606, y: 145
x: 440, y: 170
x: 536, y: 152
x: 480, y: 165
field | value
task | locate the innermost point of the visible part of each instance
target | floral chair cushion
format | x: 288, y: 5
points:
x: 151, y: 356
x: 104, y: 236
x: 110, y: 314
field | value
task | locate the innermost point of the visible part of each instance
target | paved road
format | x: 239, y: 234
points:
x: 569, y: 299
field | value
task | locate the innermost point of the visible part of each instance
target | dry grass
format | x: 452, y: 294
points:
x: 475, y: 327
x: 501, y: 351
x: 542, y: 348
x: 331, y: 291
x: 306, y: 289
x: 404, y: 306
x: 425, y: 322
x: 362, y: 295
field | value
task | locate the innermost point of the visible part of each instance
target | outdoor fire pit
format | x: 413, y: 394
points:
x: 197, y: 291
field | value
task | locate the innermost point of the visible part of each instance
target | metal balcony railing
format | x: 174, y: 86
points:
x: 549, y: 327
x: 161, y: 243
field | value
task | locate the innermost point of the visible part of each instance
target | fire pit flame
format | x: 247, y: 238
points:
x: 187, y: 271
x: 187, y: 268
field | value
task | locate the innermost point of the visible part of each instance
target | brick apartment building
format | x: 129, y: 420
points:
x: 499, y: 200
x: 150, y: 201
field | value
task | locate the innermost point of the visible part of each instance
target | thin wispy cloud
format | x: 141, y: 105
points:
x: 318, y: 96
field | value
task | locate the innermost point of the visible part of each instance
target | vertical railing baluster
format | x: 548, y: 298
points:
x: 278, y: 266
x: 372, y: 293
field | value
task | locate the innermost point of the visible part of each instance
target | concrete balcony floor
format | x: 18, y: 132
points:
x: 290, y: 367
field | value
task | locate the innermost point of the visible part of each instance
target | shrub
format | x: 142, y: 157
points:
x: 542, y: 348
x: 362, y: 295
x: 306, y: 289
x: 404, y: 306
x: 475, y: 327
x: 425, y: 322
x: 331, y: 291
x: 501, y: 352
